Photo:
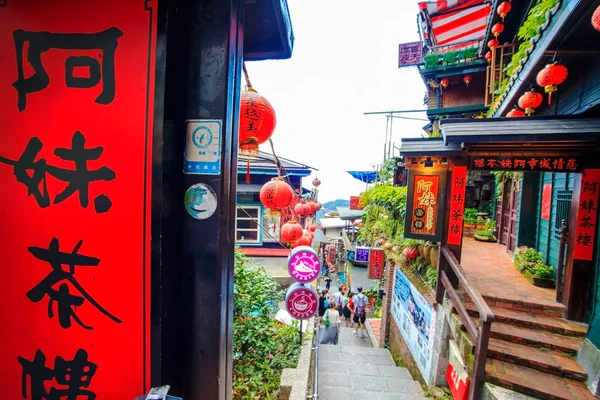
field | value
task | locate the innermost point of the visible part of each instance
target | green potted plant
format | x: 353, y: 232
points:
x: 529, y: 262
x: 487, y: 233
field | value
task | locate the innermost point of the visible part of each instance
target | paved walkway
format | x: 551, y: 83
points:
x: 492, y: 272
x: 354, y: 370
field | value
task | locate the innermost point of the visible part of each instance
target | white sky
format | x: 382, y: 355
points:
x: 345, y: 63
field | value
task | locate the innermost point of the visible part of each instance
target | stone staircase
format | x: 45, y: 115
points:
x: 532, y: 350
x: 355, y: 370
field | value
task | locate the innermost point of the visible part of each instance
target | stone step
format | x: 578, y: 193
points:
x: 551, y: 310
x: 337, y: 393
x: 380, y: 359
x: 533, y: 321
x: 545, y: 360
x: 339, y: 367
x: 355, y: 350
x: 364, y: 382
x: 535, y: 383
x: 534, y: 337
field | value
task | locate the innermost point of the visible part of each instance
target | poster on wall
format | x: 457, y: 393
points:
x: 425, y: 201
x: 77, y: 111
x: 415, y: 318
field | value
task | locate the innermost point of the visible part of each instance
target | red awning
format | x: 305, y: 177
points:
x: 456, y: 21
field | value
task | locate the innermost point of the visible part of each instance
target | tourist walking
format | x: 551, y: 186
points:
x: 347, y: 311
x: 330, y: 332
x: 327, y: 282
x: 360, y: 315
x: 322, y: 302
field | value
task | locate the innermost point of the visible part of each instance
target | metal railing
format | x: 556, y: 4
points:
x: 315, y: 395
x: 451, y: 275
x: 455, y: 47
x: 495, y: 74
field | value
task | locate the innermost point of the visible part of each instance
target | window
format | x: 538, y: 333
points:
x: 247, y: 229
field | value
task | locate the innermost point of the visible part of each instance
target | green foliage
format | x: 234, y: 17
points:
x: 450, y: 57
x: 431, y: 277
x: 262, y: 346
x: 503, y: 176
x: 488, y: 230
x: 431, y: 61
x: 530, y: 260
x: 470, y: 215
x: 386, y: 171
x: 385, y: 207
x: 536, y: 17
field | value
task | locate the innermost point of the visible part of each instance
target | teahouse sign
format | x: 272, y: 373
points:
x: 425, y: 201
x: 527, y: 163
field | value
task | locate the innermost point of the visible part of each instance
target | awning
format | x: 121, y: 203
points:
x: 456, y: 21
x: 364, y: 176
x: 415, y: 147
x: 347, y: 214
x: 548, y: 134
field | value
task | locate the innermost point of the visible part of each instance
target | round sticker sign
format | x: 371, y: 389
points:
x: 200, y: 201
x: 303, y: 264
x: 301, y: 301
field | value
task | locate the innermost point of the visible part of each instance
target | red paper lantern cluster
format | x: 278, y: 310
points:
x: 550, y: 77
x: 276, y: 194
x: 503, y: 9
x: 530, y: 101
x: 257, y: 121
x: 291, y: 231
x: 411, y: 253
x: 305, y: 208
x: 497, y: 29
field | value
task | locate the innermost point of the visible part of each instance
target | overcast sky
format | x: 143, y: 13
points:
x: 345, y: 63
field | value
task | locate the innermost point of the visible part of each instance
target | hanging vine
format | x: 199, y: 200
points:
x: 502, y: 177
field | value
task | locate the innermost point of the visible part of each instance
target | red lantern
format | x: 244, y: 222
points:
x: 444, y: 82
x: 303, y: 241
x: 467, y: 79
x: 493, y: 43
x: 550, y: 77
x: 312, y: 228
x: 257, y: 121
x: 276, y: 194
x: 395, y: 249
x: 503, y: 9
x: 497, y: 29
x: 530, y: 101
x: 515, y: 113
x: 411, y: 253
x: 318, y: 206
x: 291, y: 231
x: 387, y: 246
x: 596, y: 19
x: 302, y: 208
x: 316, y: 182
x: 488, y: 56
x: 382, y: 241
x: 311, y: 207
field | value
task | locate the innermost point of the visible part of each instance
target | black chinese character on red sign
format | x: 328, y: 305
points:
x: 74, y: 377
x: 63, y: 271
x: 586, y: 222
x: 78, y: 179
x: 588, y: 205
x: 456, y: 215
x: 590, y: 187
x: 37, y: 43
x: 455, y: 229
x: 457, y: 198
x: 584, y: 239
x: 459, y: 182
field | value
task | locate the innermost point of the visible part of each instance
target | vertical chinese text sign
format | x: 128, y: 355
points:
x: 457, y: 205
x: 587, y: 215
x: 76, y: 105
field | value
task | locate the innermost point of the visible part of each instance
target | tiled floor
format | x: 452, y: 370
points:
x: 493, y: 274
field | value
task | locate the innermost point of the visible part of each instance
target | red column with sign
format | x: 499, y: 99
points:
x: 457, y: 205
x: 375, y: 264
x: 587, y: 215
x: 76, y: 105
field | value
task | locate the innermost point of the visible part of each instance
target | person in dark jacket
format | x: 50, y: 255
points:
x: 322, y: 306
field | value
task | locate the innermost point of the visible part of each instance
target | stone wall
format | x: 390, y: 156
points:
x: 296, y: 382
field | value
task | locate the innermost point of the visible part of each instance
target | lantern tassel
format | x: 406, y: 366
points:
x: 549, y: 98
x: 248, y: 171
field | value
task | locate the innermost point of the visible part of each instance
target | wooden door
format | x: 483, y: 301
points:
x: 512, y: 220
x: 503, y: 220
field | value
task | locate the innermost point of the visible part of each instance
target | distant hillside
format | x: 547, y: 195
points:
x: 332, y: 206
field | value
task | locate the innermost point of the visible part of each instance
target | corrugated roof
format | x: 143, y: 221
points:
x: 264, y: 164
x: 332, y: 222
x: 428, y: 147
x: 349, y: 215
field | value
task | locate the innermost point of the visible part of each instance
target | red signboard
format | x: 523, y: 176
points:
x: 355, y: 203
x: 331, y: 255
x: 546, y: 201
x: 375, y: 264
x: 456, y: 374
x: 425, y: 204
x: 76, y: 105
x: 587, y: 215
x: 457, y: 205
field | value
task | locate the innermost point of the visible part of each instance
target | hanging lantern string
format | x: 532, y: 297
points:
x: 265, y: 230
x: 245, y: 71
x: 275, y: 159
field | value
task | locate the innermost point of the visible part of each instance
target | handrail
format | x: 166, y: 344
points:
x: 480, y: 334
x: 315, y: 395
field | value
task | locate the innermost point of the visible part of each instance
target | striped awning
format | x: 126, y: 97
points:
x: 455, y: 21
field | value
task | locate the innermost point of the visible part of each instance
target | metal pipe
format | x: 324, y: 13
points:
x: 393, y: 112
x: 315, y: 395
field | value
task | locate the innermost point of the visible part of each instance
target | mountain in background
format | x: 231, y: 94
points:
x: 332, y: 206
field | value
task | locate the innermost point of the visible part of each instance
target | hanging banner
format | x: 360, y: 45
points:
x: 546, y: 201
x: 76, y: 105
x: 375, y: 264
x: 424, y: 202
x: 587, y: 215
x: 457, y: 205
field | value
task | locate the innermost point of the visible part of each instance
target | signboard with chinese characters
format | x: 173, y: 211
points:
x: 76, y: 105
x: 457, y: 375
x: 587, y: 215
x: 457, y: 204
x: 203, y: 147
x: 424, y: 202
x: 415, y: 319
x: 375, y: 264
x: 527, y: 163
x: 355, y: 203
x: 410, y: 54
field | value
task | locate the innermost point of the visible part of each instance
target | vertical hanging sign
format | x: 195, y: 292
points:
x: 424, y: 200
x: 457, y: 205
x: 375, y: 264
x: 587, y: 215
x: 76, y: 105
